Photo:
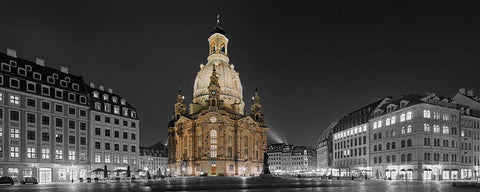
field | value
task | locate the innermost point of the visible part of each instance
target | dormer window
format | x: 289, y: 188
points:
x: 75, y: 86
x: 67, y: 79
x: 22, y: 72
x: 116, y: 110
x: 63, y: 83
x: 107, y: 108
x: 55, y: 76
x: 37, y: 76
x: 13, y: 63
x: 125, y: 112
x: 98, y: 106
x: 15, y: 83
x: 5, y: 67
x: 28, y: 68
x: 115, y: 99
x: 95, y: 94
x: 51, y: 80
x: 105, y: 97
x: 133, y: 114
x: 123, y: 102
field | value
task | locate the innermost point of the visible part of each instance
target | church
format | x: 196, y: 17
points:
x: 213, y: 135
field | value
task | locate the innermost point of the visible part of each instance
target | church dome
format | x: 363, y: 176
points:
x: 231, y: 91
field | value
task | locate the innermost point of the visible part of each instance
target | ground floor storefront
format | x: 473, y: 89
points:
x: 425, y: 172
x: 44, y: 172
x: 215, y: 168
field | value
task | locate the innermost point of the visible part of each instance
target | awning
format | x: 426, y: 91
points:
x: 454, y: 169
x: 387, y: 170
x: 427, y: 169
x: 97, y: 170
x: 402, y: 169
x: 409, y: 170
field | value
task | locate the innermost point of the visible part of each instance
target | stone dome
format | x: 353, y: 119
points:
x: 230, y: 85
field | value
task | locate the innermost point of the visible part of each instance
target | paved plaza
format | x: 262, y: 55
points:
x: 245, y: 184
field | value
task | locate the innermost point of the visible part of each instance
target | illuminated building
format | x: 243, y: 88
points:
x: 291, y: 159
x: 46, y: 121
x: 214, y: 136
x: 153, y: 160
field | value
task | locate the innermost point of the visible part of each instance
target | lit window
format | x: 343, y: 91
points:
x: 105, y: 97
x: 402, y: 117
x: 1, y: 97
x: 213, y: 143
x: 375, y: 125
x: 436, y: 128
x: 364, y: 128
x: 45, y: 153
x: 125, y: 112
x: 426, y: 127
x: 114, y: 99
x: 95, y: 94
x: 409, y: 129
x: 71, y: 155
x: 107, y: 159
x: 445, y: 130
x: 98, y: 106
x: 409, y: 115
x: 31, y: 153
x: 387, y: 122
x: 125, y: 160
x: 133, y: 114
x: 403, y: 130
x: 123, y: 102
x: 14, y: 152
x: 98, y: 159
x: 116, y: 110
x: 59, y: 154
x: 14, y: 99
x: 379, y: 124
x: 426, y: 113
x: 393, y: 120
x: 107, y: 108
x: 15, y: 133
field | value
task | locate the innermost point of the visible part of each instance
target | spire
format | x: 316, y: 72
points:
x: 217, y: 28
x: 256, y: 110
x: 214, y: 77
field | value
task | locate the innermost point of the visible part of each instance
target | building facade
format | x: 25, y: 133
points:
x: 324, y: 153
x: 287, y: 159
x: 44, y: 121
x: 214, y: 136
x: 412, y: 137
x: 153, y: 160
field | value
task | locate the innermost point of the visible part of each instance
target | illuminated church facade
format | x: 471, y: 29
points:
x: 214, y: 136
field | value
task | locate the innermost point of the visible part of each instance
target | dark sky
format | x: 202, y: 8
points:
x: 313, y: 61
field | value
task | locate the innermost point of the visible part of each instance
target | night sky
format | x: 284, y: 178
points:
x: 313, y: 61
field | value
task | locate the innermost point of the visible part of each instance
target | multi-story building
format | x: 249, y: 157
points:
x: 114, y: 133
x: 44, y: 121
x: 153, y: 160
x: 290, y: 159
x: 324, y: 157
x: 350, y: 142
x: 424, y: 137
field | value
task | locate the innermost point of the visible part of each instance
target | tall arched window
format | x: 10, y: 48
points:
x: 213, y: 143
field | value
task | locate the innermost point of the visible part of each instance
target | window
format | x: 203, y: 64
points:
x: 45, y: 105
x: 15, y: 83
x: 45, y: 136
x: 97, y: 118
x: 58, y: 93
x: 98, y: 158
x: 117, y: 134
x: 403, y: 130
x: 409, y: 129
x: 393, y: 145
x: 409, y: 115
x: 107, y: 119
x: 98, y: 106
x: 392, y: 120
x: 83, y: 113
x: 426, y: 113
x: 402, y: 157
x: 213, y: 144
x: 409, y: 157
x: 45, y: 120
x: 426, y: 127
x: 14, y: 115
x: 436, y: 128
x: 375, y: 125
x: 71, y: 111
x: 97, y: 145
x: 107, y: 132
x: 31, y: 154
x: 125, y: 112
x: 59, y: 138
x: 83, y: 141
x: 116, y: 121
x: 105, y: 97
x: 107, y: 108
x: 14, y: 152
x: 37, y: 76
x: 409, y: 143
x: 71, y: 139
x: 45, y: 153
x: 115, y: 99
x: 30, y: 102
x: 31, y: 135
x: 83, y: 126
x: 125, y: 135
x: 123, y: 102
x: 133, y: 149
x: 134, y: 125
x: 71, y: 124
x: 403, y: 144
x: 95, y: 94
x: 97, y: 131
x: 71, y: 97
x: 75, y: 86
x: 15, y: 133
x: 116, y: 110
x: 125, y: 147
x: 107, y: 146
x: 116, y: 147
x: 402, y: 117
x: 14, y: 99
x: 107, y: 159
x: 133, y: 136
x: 83, y: 100
x: 379, y: 124
x: 31, y: 118
x: 58, y: 122
x: 445, y: 130
x: 387, y: 122
x: 59, y: 108
x: 71, y: 155
x: 31, y: 87
x: 125, y: 160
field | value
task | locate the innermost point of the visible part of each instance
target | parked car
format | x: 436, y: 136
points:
x: 6, y: 180
x: 26, y: 180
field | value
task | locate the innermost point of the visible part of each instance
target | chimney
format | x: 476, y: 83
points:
x: 100, y: 87
x: 11, y: 53
x: 462, y: 91
x: 110, y: 90
x: 470, y: 93
x: 92, y: 85
x: 40, y: 62
x: 64, y: 69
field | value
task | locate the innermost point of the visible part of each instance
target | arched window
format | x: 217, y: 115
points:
x: 388, y: 146
x: 375, y: 160
x: 403, y: 143
x: 393, y: 158
x: 409, y: 157
x: 375, y: 136
x: 375, y: 148
x: 213, y: 143
x: 409, y: 143
x: 380, y: 135
x: 393, y: 145
x: 402, y: 158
